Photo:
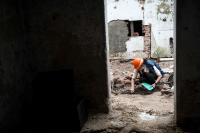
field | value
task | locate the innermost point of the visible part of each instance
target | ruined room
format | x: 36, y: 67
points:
x: 55, y: 59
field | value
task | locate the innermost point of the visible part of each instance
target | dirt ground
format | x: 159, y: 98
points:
x: 139, y: 112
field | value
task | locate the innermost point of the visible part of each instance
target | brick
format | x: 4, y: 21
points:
x: 117, y: 81
x: 128, y: 85
x: 127, y: 82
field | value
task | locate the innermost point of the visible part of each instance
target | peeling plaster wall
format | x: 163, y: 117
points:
x: 135, y: 43
x: 187, y: 63
x: 135, y: 48
x: 124, y: 10
x: 158, y: 13
x: 117, y: 36
x: 120, y: 45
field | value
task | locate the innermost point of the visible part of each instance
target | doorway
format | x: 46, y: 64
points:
x: 154, y: 111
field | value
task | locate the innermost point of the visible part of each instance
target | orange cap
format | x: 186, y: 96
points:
x: 137, y: 62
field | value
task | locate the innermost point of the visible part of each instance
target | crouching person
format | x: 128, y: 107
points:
x: 149, y: 71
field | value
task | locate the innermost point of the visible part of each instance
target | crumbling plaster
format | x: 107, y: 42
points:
x: 117, y: 36
x: 122, y: 46
x: 158, y: 13
x: 135, y: 43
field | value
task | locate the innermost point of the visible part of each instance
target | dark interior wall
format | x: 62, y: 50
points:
x: 118, y: 31
x: 187, y: 68
x: 66, y: 33
x: 15, y: 72
x: 43, y: 35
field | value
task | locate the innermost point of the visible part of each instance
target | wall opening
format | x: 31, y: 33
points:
x: 161, y: 101
x: 138, y: 27
x: 134, y: 28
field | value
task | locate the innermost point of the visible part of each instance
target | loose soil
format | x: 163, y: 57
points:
x: 139, y: 112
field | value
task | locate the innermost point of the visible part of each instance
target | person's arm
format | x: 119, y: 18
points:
x: 133, y: 81
x: 132, y: 85
x: 158, y: 73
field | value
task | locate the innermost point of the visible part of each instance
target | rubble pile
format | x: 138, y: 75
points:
x: 119, y: 85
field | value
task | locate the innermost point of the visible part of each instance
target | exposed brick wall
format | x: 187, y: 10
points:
x: 147, y: 30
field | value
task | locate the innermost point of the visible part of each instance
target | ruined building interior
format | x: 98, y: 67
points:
x: 47, y: 36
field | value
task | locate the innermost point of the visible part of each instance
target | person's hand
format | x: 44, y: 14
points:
x: 154, y: 85
x: 132, y: 90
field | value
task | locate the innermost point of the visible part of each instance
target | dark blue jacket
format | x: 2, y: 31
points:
x: 150, y: 65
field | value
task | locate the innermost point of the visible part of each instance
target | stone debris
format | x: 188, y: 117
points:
x: 127, y: 82
x: 114, y: 92
x: 135, y: 108
x: 170, y: 112
x: 150, y: 112
x: 168, y: 91
x: 166, y: 87
x: 118, y: 86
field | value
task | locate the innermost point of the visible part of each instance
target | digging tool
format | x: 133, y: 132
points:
x: 148, y: 86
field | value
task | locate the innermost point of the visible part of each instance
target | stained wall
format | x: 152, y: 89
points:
x: 156, y: 14
x: 38, y: 36
x: 187, y: 81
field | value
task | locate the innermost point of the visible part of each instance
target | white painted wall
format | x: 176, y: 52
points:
x: 161, y: 30
x: 135, y: 47
x: 132, y: 10
x: 135, y: 44
x: 124, y: 10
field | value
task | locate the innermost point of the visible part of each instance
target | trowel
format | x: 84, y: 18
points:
x: 148, y: 86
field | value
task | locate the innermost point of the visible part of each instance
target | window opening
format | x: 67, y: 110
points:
x: 134, y: 28
x: 129, y: 27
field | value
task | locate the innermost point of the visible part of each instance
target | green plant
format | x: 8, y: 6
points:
x: 161, y: 52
